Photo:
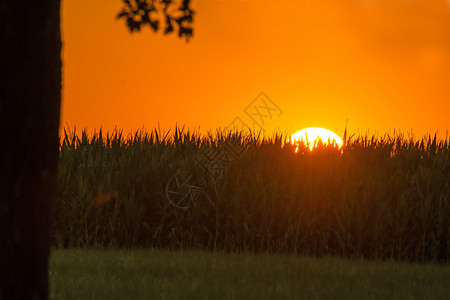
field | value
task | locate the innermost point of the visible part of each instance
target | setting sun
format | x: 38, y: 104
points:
x: 154, y: 128
x: 312, y: 135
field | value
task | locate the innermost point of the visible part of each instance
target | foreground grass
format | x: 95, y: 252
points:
x: 153, y: 274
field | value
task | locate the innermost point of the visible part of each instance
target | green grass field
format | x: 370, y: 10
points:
x: 154, y: 274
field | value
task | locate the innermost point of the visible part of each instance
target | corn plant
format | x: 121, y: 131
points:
x: 384, y: 197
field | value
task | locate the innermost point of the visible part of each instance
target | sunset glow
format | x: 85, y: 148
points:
x: 383, y: 65
x: 313, y: 136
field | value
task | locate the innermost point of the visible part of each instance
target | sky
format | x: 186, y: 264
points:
x: 282, y: 65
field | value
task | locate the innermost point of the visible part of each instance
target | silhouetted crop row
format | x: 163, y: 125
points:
x: 378, y: 197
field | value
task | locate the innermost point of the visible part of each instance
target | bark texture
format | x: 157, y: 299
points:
x: 30, y: 97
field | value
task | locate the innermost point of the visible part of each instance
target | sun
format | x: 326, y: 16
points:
x: 311, y: 136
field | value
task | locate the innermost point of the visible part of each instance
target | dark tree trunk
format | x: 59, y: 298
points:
x: 30, y: 96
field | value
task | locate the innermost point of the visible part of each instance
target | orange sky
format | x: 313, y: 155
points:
x: 381, y: 64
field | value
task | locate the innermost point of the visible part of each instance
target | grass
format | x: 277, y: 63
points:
x: 382, y: 197
x: 155, y: 274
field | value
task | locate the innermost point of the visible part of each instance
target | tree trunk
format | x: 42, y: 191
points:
x: 30, y: 96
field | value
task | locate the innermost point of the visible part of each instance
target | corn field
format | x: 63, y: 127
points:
x: 378, y: 197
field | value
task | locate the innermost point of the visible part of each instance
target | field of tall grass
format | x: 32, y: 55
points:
x: 378, y: 198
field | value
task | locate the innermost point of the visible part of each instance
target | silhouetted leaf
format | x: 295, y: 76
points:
x: 133, y: 25
x: 185, y: 31
x: 154, y: 25
x: 122, y: 14
x: 137, y: 13
x: 169, y: 26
